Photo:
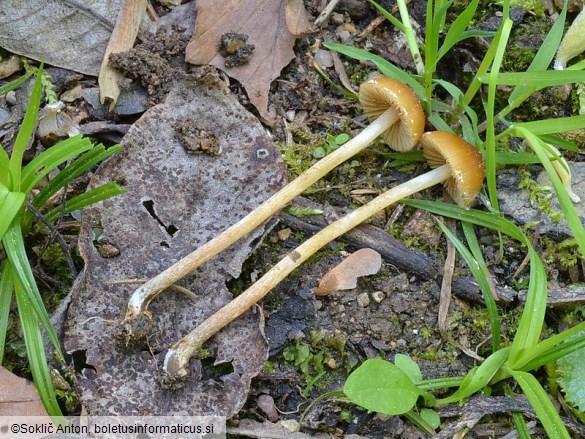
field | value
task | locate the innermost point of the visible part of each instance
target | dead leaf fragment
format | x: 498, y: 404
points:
x: 71, y: 34
x: 344, y: 276
x: 19, y: 396
x: 175, y: 202
x: 271, y: 26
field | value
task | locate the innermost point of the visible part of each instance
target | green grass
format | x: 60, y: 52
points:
x: 16, y: 183
x: 481, y: 127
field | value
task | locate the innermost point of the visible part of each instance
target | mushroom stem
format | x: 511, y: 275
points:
x: 142, y: 296
x: 178, y: 356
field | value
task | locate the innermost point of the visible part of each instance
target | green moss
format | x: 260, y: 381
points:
x: 540, y: 196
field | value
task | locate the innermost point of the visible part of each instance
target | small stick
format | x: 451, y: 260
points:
x: 324, y: 15
x: 122, y: 39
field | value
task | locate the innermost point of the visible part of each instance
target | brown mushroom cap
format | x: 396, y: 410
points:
x: 466, y: 162
x: 379, y: 94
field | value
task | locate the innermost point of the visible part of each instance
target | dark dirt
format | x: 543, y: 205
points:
x: 388, y: 313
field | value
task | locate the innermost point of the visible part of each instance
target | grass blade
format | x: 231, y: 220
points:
x: 551, y: 126
x: 14, y: 248
x: 93, y: 196
x: 457, y: 29
x: 51, y: 158
x: 87, y: 161
x: 541, y: 60
x: 26, y: 131
x: 567, y: 206
x: 13, y: 85
x: 10, y: 204
x: 385, y: 67
x: 537, y: 80
x: 35, y: 351
x: 6, y: 289
x: 538, y: 398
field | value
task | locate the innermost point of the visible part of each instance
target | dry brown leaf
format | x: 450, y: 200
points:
x: 72, y: 34
x: 270, y: 26
x: 344, y: 276
x: 19, y: 396
x: 181, y: 193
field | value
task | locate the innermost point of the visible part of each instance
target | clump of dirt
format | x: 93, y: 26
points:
x: 152, y: 61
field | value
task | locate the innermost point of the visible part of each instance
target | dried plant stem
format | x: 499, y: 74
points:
x: 141, y: 298
x: 180, y: 353
x: 122, y: 39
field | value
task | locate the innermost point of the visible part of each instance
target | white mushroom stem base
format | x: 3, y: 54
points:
x: 142, y: 296
x: 178, y: 356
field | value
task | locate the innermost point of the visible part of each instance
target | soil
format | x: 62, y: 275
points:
x: 392, y: 312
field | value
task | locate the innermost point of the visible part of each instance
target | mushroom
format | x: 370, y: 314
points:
x: 396, y: 114
x: 573, y: 42
x: 561, y: 166
x: 458, y: 165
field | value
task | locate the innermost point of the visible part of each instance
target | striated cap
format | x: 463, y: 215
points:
x: 465, y: 161
x: 379, y: 94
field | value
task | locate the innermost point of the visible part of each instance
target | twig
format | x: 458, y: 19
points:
x: 448, y: 270
x: 324, y: 15
x: 55, y: 234
x: 122, y: 39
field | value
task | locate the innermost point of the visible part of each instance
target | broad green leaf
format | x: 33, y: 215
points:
x: 26, y: 131
x: 33, y: 339
x: 572, y: 376
x: 380, y: 386
x: 10, y: 205
x: 480, y: 378
x: 545, y: 410
x: 88, y: 198
x: 6, y: 289
x: 385, y: 67
x: 431, y: 417
x: 408, y: 366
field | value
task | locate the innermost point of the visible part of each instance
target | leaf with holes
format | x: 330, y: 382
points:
x: 251, y: 41
x: 176, y: 200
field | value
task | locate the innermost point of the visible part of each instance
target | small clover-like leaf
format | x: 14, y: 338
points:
x: 380, y: 386
x: 408, y: 366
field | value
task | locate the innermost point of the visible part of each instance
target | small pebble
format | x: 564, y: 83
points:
x: 378, y: 296
x: 291, y: 425
x: 363, y: 300
x: 284, y: 234
x: 11, y: 97
x: 267, y: 405
x: 323, y: 58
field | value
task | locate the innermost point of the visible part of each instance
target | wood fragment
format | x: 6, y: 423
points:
x: 122, y: 39
x: 406, y: 259
x: 448, y: 269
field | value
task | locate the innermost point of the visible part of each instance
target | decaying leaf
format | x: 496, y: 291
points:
x: 270, y: 26
x: 19, y: 396
x: 72, y: 34
x: 344, y: 276
x: 176, y: 201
